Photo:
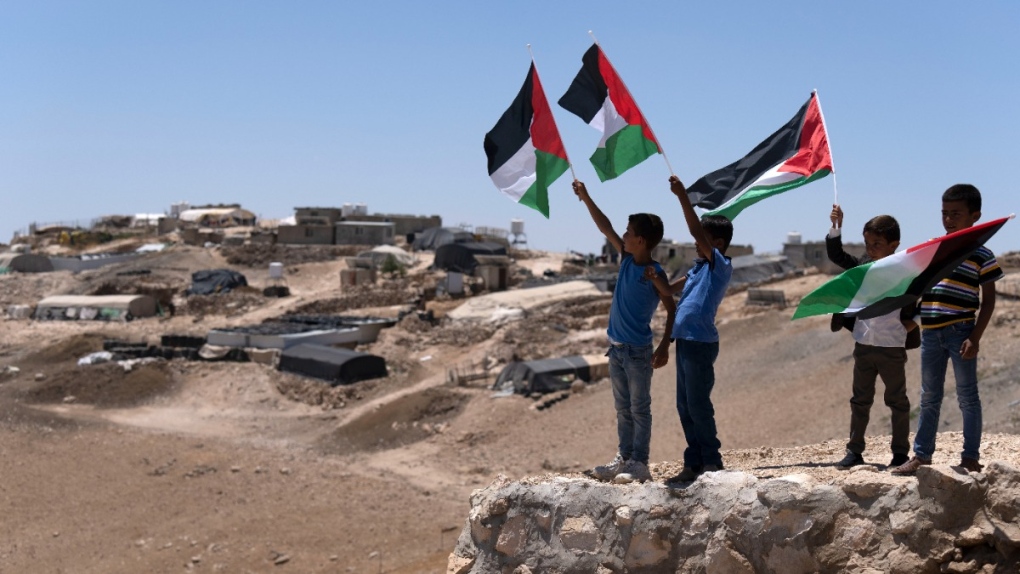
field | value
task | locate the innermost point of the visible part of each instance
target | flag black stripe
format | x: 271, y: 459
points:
x: 513, y: 129
x: 588, y: 92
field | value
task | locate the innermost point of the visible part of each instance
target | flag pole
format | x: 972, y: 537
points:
x: 569, y: 163
x: 657, y: 143
x: 835, y: 190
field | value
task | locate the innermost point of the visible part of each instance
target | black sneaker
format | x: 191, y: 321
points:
x: 898, y: 460
x: 850, y: 460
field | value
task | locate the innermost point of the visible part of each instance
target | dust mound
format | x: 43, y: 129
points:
x: 70, y: 349
x: 406, y: 420
x: 107, y: 385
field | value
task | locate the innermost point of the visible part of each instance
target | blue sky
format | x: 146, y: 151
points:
x: 126, y: 107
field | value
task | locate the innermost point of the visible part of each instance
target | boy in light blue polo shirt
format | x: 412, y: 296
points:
x: 631, y: 356
x: 697, y: 340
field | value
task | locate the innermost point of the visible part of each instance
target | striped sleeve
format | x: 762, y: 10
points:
x: 990, y: 270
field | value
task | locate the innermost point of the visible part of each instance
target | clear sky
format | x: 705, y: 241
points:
x: 122, y: 107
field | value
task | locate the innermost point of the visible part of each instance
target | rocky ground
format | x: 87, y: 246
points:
x: 236, y: 467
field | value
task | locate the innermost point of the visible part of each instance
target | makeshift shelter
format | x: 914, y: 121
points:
x: 464, y: 257
x: 100, y: 307
x: 335, y: 366
x: 435, y: 237
x: 550, y: 375
x: 24, y: 263
x: 380, y: 253
x: 218, y: 216
x: 209, y: 281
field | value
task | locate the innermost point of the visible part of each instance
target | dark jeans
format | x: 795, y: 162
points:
x: 889, y: 363
x: 695, y: 377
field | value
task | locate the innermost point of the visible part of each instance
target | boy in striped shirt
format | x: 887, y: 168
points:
x: 954, y: 315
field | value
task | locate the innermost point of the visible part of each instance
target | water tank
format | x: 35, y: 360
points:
x: 177, y: 208
x: 276, y: 270
x: 360, y: 209
x: 517, y: 226
x: 347, y: 210
x: 793, y: 238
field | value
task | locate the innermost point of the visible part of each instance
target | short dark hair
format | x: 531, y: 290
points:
x: 647, y: 226
x: 884, y: 226
x: 718, y: 227
x: 964, y: 192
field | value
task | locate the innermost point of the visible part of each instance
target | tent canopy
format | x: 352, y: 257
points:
x: 136, y: 305
x: 380, y: 253
x: 25, y: 262
x: 550, y: 375
x: 463, y: 257
x: 337, y: 366
x: 218, y: 216
x: 435, y: 237
x: 209, y: 281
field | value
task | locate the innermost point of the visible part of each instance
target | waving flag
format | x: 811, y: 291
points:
x: 597, y: 95
x: 524, y: 148
x: 882, y: 286
x: 795, y: 155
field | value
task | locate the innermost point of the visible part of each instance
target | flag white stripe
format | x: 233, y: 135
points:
x: 888, y: 272
x: 770, y: 177
x: 608, y: 121
x: 519, y: 173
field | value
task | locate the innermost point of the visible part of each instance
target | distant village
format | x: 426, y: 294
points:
x: 482, y: 250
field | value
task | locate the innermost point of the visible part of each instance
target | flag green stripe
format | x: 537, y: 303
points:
x: 548, y: 167
x: 624, y: 149
x: 753, y: 195
x: 835, y: 295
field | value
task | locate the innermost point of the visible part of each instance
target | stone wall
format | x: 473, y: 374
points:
x: 944, y: 520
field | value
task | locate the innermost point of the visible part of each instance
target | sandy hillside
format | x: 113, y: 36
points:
x: 236, y: 467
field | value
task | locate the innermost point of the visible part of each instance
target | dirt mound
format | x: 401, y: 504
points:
x: 260, y: 255
x: 70, y: 349
x: 383, y: 294
x: 406, y: 420
x: 106, y: 385
x: 238, y: 301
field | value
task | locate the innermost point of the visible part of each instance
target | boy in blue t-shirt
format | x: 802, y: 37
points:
x: 631, y: 356
x: 697, y: 340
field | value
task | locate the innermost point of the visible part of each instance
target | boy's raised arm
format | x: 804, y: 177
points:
x: 693, y: 221
x: 600, y: 219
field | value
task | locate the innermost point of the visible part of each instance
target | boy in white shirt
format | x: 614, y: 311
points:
x: 880, y: 348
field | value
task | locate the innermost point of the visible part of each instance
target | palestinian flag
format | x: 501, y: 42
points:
x: 524, y: 148
x: 883, y: 286
x: 795, y: 155
x: 597, y: 95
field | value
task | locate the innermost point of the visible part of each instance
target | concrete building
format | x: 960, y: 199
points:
x: 803, y: 254
x: 317, y: 215
x: 364, y: 233
x: 306, y: 234
x: 402, y: 224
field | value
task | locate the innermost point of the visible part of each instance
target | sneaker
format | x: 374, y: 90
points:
x: 898, y: 460
x: 633, y: 471
x: 910, y: 467
x: 971, y: 464
x: 607, y: 472
x: 850, y: 460
x: 688, y: 474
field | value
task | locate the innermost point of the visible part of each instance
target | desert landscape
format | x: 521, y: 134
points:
x: 218, y: 466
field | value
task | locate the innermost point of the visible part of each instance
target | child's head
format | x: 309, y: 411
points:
x: 644, y: 232
x: 881, y: 236
x: 961, y: 207
x: 720, y: 230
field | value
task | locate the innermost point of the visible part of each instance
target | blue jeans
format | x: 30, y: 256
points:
x: 695, y: 377
x: 630, y: 370
x: 938, y: 347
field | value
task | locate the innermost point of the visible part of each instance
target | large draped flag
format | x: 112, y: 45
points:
x: 883, y: 286
x: 598, y: 96
x: 795, y: 155
x: 524, y: 148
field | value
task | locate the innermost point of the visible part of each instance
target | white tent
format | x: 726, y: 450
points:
x: 380, y: 253
x: 218, y: 216
x: 96, y: 307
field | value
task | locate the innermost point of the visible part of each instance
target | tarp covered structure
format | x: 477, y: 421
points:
x: 102, y: 307
x: 463, y: 257
x: 550, y: 375
x: 210, y: 281
x: 435, y: 237
x: 337, y: 366
x: 24, y: 263
x: 218, y: 216
x: 380, y: 253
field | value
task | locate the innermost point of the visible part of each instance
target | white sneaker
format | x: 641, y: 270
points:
x: 607, y: 472
x: 633, y: 471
